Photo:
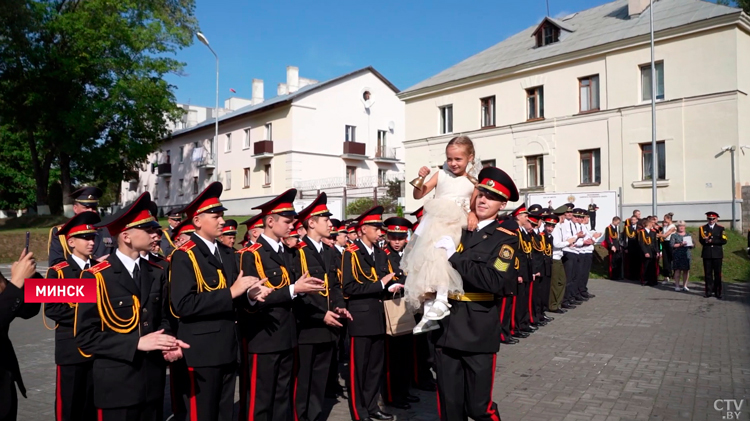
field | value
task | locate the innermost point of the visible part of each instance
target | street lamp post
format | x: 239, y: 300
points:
x: 654, y: 152
x: 202, y: 38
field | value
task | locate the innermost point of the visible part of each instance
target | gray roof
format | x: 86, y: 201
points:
x: 590, y: 28
x: 283, y: 99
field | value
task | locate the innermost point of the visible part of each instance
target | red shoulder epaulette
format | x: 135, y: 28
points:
x: 507, y: 231
x: 253, y: 248
x: 187, y: 246
x: 60, y: 266
x: 301, y: 244
x: 153, y: 264
x: 387, y: 251
x: 99, y: 267
x: 352, y: 248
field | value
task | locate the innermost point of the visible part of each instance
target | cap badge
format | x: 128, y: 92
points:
x: 491, y: 183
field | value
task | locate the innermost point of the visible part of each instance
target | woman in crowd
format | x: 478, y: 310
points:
x: 667, y: 232
x: 682, y: 243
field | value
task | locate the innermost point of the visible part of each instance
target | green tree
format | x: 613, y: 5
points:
x: 742, y: 4
x: 81, y: 84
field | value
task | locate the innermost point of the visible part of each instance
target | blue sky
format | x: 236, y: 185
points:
x: 407, y: 41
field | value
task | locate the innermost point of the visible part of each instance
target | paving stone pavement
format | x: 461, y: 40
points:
x: 631, y: 353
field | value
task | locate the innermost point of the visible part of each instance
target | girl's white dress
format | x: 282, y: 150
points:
x: 427, y: 267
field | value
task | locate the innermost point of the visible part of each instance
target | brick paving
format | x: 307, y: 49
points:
x: 631, y: 353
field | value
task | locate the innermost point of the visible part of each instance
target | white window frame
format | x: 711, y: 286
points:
x: 228, y: 144
x: 180, y: 182
x: 228, y: 180
x: 246, y: 177
x: 538, y: 162
x: 350, y: 133
x: 645, y: 69
x: 269, y: 131
x: 182, y: 154
x: 593, y: 90
x: 596, y: 158
x: 487, y: 115
x: 267, y: 173
x: 446, y: 119
x: 246, y: 144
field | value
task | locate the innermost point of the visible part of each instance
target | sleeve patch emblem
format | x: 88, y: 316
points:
x: 500, y: 265
x: 506, y: 252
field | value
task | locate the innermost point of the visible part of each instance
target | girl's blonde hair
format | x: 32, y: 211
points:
x: 670, y: 215
x: 463, y: 141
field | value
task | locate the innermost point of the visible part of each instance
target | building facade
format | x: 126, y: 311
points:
x: 347, y: 131
x: 565, y: 106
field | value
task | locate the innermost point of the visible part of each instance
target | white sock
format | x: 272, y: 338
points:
x: 442, y: 296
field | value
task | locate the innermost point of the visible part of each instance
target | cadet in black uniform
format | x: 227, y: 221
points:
x: 366, y: 279
x: 550, y: 221
x: 712, y: 238
x: 469, y: 339
x: 536, y: 287
x: 86, y: 200
x: 340, y: 242
x: 509, y: 226
x: 649, y: 244
x: 399, y: 361
x: 174, y: 217
x: 74, y: 396
x: 204, y: 284
x: 229, y: 233
x: 127, y: 324
x: 268, y: 329
x: 612, y: 243
x: 318, y: 314
x: 632, y: 250
x: 254, y: 229
x: 521, y: 323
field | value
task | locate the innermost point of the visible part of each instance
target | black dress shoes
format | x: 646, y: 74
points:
x: 582, y: 298
x: 397, y: 405
x: 590, y: 296
x: 529, y: 330
x: 427, y: 386
x: 576, y: 303
x: 521, y: 335
x: 568, y: 306
x: 411, y: 399
x: 540, y: 323
x: 558, y: 311
x: 548, y: 319
x: 510, y: 341
x: 382, y: 416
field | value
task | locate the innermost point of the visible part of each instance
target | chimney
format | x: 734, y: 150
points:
x: 282, y: 89
x: 257, y: 97
x: 636, y: 7
x: 292, y: 78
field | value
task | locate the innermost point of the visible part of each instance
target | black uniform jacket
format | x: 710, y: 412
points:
x: 206, y: 312
x: 104, y: 244
x: 525, y: 265
x: 537, y: 253
x: 649, y: 243
x: 12, y: 306
x: 123, y: 375
x: 713, y: 249
x: 167, y: 243
x: 546, y: 244
x: 394, y: 266
x: 364, y: 290
x: 66, y: 349
x: 612, y: 239
x: 268, y: 326
x: 310, y: 309
x: 486, y: 264
x: 630, y: 239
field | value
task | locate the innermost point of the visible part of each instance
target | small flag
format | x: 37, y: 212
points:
x: 233, y: 91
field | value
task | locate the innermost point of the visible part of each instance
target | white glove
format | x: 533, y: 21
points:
x: 395, y: 287
x: 446, y: 243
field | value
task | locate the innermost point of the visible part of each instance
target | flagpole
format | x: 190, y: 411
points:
x: 654, y: 152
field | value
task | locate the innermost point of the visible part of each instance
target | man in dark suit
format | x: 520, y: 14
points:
x: 468, y: 341
x: 612, y: 243
x: 86, y: 199
x: 74, y: 397
x: 366, y: 279
x: 318, y: 314
x: 11, y: 306
x: 204, y: 286
x: 174, y: 217
x: 649, y: 245
x: 268, y: 328
x: 712, y: 238
x: 127, y: 324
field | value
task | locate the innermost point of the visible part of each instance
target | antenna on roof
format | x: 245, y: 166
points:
x: 547, y: 8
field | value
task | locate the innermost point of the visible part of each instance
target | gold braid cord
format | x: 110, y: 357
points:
x: 202, y: 285
x: 525, y: 246
x: 703, y: 235
x: 262, y: 274
x: 303, y: 261
x: 169, y: 284
x: 107, y: 313
x: 44, y: 318
x: 646, y: 240
x: 628, y: 232
x: 357, y: 270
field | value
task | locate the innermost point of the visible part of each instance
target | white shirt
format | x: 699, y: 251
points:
x: 210, y: 244
x: 81, y: 263
x: 340, y: 249
x: 318, y: 245
x: 589, y: 236
x: 126, y: 261
x: 482, y: 224
x: 558, y: 244
x: 570, y: 230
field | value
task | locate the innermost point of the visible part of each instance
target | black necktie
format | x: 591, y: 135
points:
x: 86, y: 266
x: 216, y: 254
x: 137, y: 274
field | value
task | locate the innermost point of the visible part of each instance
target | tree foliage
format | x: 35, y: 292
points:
x: 742, y: 4
x: 82, y: 87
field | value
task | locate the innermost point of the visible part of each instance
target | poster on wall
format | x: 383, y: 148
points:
x: 604, y: 203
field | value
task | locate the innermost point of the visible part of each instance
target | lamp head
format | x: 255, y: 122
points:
x: 202, y: 38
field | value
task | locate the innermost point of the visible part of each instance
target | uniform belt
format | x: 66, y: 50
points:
x: 473, y: 296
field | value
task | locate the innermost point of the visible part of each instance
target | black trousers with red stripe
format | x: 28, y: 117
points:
x: 521, y: 306
x: 74, y: 397
x: 313, y: 363
x: 465, y: 382
x: 615, y: 265
x: 398, y: 361
x: 366, y: 360
x: 211, y: 394
x: 270, y: 386
x: 151, y: 411
x: 506, y: 316
x: 535, y: 299
x: 179, y: 387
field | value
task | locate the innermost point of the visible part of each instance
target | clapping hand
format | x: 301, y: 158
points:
x: 344, y: 313
x: 175, y: 354
x: 306, y: 284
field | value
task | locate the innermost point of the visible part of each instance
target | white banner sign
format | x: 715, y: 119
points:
x: 606, y: 201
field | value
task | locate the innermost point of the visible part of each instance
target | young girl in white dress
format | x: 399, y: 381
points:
x: 430, y: 277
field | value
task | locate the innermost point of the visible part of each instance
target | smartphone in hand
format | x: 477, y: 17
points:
x: 28, y: 237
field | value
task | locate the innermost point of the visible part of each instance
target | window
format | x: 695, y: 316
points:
x: 211, y: 147
x: 535, y: 170
x: 228, y: 146
x: 488, y: 163
x: 382, y: 178
x: 246, y: 144
x: 267, y: 174
x: 548, y: 34
x: 535, y: 101
x: 488, y: 111
x: 182, y: 154
x: 648, y: 161
x: 169, y: 157
x: 195, y: 185
x: 351, y: 176
x: 166, y: 186
x: 246, y: 178
x: 350, y: 133
x: 591, y: 170
x: 269, y: 131
x: 227, y: 180
x: 155, y: 193
x: 588, y: 88
x: 179, y: 186
x: 446, y: 119
x: 646, y: 81
x: 381, y: 151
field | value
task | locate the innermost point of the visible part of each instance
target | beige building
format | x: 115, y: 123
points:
x: 565, y: 106
x: 344, y: 132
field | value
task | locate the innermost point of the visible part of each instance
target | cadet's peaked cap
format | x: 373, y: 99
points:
x: 282, y: 204
x: 80, y: 225
x: 294, y: 233
x: 87, y: 196
x: 185, y: 227
x: 519, y: 210
x: 497, y: 181
x: 418, y: 213
x: 174, y: 214
x: 352, y: 228
x: 153, y: 208
x: 135, y: 215
x: 561, y: 210
x: 318, y: 207
x: 229, y: 228
x: 206, y: 202
x: 254, y: 222
x: 373, y: 216
x: 580, y: 213
x: 534, y: 218
x: 569, y: 206
x: 551, y: 219
x: 397, y: 225
x: 712, y: 214
x: 537, y: 209
x: 335, y: 227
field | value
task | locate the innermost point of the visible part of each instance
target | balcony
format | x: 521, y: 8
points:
x: 263, y: 149
x: 164, y: 170
x: 207, y: 161
x: 354, y: 150
x: 385, y: 155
